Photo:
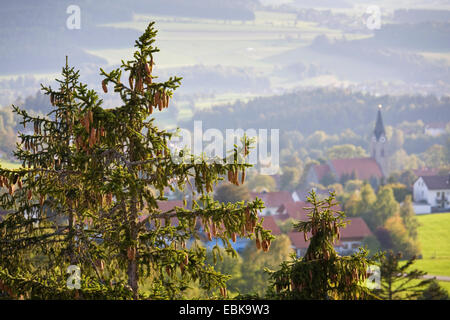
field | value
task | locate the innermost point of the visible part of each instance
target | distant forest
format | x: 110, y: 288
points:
x: 330, y: 110
x: 421, y: 15
x: 309, y: 119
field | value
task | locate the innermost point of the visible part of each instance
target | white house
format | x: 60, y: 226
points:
x: 435, y: 129
x: 431, y: 193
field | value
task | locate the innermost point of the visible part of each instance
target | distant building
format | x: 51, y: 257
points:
x: 373, y: 168
x: 166, y: 206
x: 435, y: 129
x: 355, y: 168
x: 431, y: 194
x: 426, y: 172
x: 272, y: 200
x: 299, y: 195
x: 378, y: 149
x: 270, y: 223
x: 296, y: 211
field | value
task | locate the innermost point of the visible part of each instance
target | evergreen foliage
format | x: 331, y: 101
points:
x: 88, y: 190
x: 397, y: 281
x: 322, y: 273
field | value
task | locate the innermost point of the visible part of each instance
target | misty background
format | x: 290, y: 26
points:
x: 316, y: 70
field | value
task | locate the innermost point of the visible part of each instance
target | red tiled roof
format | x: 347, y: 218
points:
x: 270, y: 224
x: 357, y: 229
x: 294, y: 210
x: 303, y: 194
x: 436, y: 125
x: 273, y: 199
x: 297, y: 211
x: 165, y: 206
x: 365, y: 168
x: 426, y: 172
x: 298, y: 240
x: 321, y: 170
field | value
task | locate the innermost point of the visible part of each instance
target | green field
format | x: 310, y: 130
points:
x: 434, y: 237
x: 191, y: 41
x: 445, y: 285
x: 9, y: 165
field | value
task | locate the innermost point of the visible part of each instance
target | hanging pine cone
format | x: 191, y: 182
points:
x: 182, y: 267
x: 213, y: 229
x: 130, y: 81
x: 105, y: 88
x: 230, y: 175
x: 169, y: 271
x: 131, y: 253
x: 258, y: 244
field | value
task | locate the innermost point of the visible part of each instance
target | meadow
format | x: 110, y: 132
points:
x: 8, y: 164
x: 434, y: 237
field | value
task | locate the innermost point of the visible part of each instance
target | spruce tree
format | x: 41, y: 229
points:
x: 434, y: 292
x: 409, y: 217
x: 385, y: 207
x: 397, y: 281
x: 322, y: 274
x: 87, y: 194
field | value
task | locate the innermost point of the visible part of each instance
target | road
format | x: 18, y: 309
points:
x: 439, y: 278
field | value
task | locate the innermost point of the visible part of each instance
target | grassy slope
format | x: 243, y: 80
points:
x: 434, y: 237
x: 9, y: 165
x: 445, y: 285
x: 212, y: 42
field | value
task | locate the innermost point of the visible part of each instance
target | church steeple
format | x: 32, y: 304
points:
x: 379, y: 127
x: 378, y: 144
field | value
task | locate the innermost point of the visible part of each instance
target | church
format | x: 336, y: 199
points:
x: 372, y: 169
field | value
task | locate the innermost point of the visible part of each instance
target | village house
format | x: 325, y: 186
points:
x: 351, y: 238
x: 431, y: 194
x: 272, y: 200
x: 426, y: 172
x: 296, y: 210
x: 269, y: 223
x: 435, y: 129
x: 371, y: 169
x: 355, y: 168
x: 165, y: 206
x: 302, y: 195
